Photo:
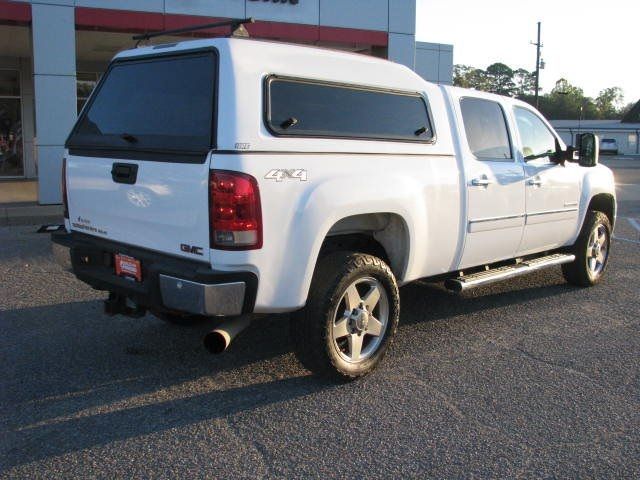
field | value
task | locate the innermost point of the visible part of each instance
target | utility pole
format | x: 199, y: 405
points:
x: 538, y: 45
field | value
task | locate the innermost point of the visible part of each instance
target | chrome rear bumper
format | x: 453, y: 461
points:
x: 202, y: 299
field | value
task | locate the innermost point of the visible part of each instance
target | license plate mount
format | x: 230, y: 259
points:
x: 128, y: 267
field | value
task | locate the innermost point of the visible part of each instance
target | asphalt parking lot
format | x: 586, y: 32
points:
x: 530, y: 378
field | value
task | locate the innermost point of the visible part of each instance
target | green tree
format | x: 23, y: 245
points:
x: 525, y: 82
x: 610, y: 102
x: 469, y: 77
x: 461, y: 75
x: 563, y: 87
x: 500, y: 79
x: 627, y: 108
x: 567, y: 102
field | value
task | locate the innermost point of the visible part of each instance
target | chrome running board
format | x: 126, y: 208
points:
x: 485, y: 277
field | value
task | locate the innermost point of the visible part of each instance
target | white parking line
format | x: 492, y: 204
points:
x: 634, y: 223
x: 637, y: 242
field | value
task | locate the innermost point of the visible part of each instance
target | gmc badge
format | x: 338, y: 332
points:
x: 191, y: 249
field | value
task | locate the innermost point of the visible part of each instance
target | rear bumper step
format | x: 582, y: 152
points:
x: 221, y: 299
x: 492, y: 275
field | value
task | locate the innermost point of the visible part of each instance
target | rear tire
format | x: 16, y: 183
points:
x: 350, y: 318
x: 592, y: 251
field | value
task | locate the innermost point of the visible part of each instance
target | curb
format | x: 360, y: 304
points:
x: 31, y: 215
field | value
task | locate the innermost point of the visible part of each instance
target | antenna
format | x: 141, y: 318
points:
x: 236, y: 24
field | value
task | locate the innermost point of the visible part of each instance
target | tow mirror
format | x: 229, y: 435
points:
x: 562, y: 156
x: 588, y: 149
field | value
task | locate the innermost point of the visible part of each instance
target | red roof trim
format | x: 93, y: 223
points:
x: 15, y: 13
x: 284, y: 31
x: 108, y: 20
x: 136, y: 22
x: 353, y: 35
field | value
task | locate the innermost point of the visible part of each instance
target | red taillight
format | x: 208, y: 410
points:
x: 234, y: 211
x: 65, y: 199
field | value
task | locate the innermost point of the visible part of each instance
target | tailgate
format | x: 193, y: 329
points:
x: 138, y: 162
x: 166, y: 210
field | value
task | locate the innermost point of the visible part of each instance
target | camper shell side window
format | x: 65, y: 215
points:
x: 296, y: 107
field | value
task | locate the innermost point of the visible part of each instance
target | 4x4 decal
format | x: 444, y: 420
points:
x: 280, y: 174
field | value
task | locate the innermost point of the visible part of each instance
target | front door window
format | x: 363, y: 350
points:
x: 11, y: 154
x: 537, y: 140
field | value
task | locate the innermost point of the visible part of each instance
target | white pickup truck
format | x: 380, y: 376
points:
x: 234, y: 177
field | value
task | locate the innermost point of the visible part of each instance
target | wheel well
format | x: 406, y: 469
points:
x: 383, y: 235
x: 604, y: 202
x: 357, y: 242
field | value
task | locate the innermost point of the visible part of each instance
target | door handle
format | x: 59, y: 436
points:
x: 535, y: 182
x: 481, y: 182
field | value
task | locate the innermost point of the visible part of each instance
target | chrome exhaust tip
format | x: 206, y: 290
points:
x: 219, y: 339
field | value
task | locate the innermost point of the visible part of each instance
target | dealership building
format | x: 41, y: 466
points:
x: 623, y: 135
x: 53, y: 52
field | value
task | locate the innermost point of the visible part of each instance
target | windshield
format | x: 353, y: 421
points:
x: 161, y: 103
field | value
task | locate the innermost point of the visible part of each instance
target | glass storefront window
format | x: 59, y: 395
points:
x: 86, y: 82
x: 11, y: 146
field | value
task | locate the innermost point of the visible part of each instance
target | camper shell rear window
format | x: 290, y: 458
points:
x: 309, y: 108
x: 159, y: 103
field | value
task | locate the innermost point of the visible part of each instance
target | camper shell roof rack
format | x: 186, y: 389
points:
x: 236, y: 24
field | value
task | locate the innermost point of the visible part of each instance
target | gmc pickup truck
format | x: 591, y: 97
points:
x: 234, y: 177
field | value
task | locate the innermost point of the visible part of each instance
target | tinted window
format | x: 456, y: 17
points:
x: 486, y: 129
x: 315, y: 109
x: 537, y: 140
x: 162, y: 103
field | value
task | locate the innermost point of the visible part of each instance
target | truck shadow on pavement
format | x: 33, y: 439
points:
x: 73, y: 378
x: 431, y: 301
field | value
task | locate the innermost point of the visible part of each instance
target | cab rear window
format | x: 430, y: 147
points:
x: 163, y: 103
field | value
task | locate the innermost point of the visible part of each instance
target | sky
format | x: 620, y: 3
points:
x: 593, y: 44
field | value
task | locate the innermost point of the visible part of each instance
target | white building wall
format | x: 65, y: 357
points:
x: 626, y: 135
x: 207, y: 8
x: 54, y: 74
x: 402, y: 49
x: 402, y: 16
x: 627, y: 139
x: 138, y: 5
x: 364, y: 14
x: 305, y: 12
x: 434, y: 62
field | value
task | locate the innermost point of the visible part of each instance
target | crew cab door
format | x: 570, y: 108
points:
x: 494, y: 183
x: 552, y: 190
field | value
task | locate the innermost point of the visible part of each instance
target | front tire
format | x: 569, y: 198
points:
x: 350, y: 318
x: 591, y: 250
